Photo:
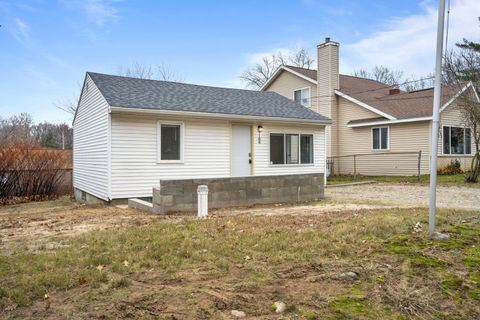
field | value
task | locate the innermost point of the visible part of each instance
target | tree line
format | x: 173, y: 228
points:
x: 20, y: 129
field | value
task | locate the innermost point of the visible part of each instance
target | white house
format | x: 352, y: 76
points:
x: 128, y: 134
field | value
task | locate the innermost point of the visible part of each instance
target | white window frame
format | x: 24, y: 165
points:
x: 285, y: 150
x: 309, y: 96
x: 464, y: 142
x: 380, y: 138
x: 159, y: 141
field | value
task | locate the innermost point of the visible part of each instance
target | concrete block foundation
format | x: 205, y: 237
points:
x: 181, y: 195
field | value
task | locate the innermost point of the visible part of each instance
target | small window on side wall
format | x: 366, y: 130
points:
x: 302, y: 96
x: 380, y: 138
x: 170, y: 142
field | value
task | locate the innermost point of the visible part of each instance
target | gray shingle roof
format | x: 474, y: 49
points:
x: 163, y: 95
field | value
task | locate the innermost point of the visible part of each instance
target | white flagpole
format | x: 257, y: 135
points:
x: 437, y: 94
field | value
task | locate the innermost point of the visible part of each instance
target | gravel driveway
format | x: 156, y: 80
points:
x: 407, y: 195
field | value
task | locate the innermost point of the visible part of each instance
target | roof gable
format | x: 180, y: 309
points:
x: 375, y: 95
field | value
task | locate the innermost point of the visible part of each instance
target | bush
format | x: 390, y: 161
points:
x: 29, y: 173
x: 454, y: 167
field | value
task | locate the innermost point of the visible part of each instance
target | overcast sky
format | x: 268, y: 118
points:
x: 46, y: 46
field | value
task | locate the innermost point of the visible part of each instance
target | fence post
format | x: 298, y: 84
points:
x: 419, y: 166
x: 354, y: 166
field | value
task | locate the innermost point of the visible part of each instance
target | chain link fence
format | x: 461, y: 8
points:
x: 377, y: 164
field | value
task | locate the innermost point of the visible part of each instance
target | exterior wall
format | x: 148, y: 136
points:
x: 405, y: 137
x: 135, y: 171
x: 91, y: 143
x: 181, y: 195
x: 261, y: 161
x: 286, y: 83
x: 452, y: 116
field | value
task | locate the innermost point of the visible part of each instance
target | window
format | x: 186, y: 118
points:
x: 457, y: 140
x: 291, y: 148
x: 380, y: 138
x: 170, y: 141
x: 277, y: 147
x: 302, y: 96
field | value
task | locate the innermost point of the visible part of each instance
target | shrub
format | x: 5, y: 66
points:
x: 454, y: 167
x: 30, y: 173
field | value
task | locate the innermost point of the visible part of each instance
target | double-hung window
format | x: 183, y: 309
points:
x: 380, y: 138
x: 302, y: 96
x: 170, y: 141
x: 291, y: 148
x: 457, y: 140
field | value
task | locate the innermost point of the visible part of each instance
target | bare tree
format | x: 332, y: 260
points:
x: 16, y: 129
x: 391, y: 77
x: 137, y: 70
x: 381, y: 74
x: 258, y: 74
x: 460, y: 68
x: 67, y: 105
x: 167, y: 73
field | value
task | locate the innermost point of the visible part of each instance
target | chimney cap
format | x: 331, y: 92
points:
x: 328, y: 42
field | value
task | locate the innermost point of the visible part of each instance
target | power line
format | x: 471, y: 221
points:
x: 375, y: 89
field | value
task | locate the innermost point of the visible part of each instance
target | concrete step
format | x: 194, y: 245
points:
x: 140, y: 204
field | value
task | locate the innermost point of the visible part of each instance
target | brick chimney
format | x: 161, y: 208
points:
x: 328, y: 82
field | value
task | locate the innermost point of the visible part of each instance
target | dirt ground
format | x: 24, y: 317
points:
x: 405, y: 195
x: 36, y: 224
x: 195, y: 293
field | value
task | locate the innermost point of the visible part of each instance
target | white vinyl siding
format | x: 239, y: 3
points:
x: 262, y: 165
x: 135, y: 170
x: 90, y: 143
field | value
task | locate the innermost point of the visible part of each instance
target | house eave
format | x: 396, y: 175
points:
x: 284, y: 68
x: 364, y: 105
x: 387, y: 122
x: 217, y: 116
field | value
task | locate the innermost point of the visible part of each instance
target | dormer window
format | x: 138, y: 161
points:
x: 302, y: 96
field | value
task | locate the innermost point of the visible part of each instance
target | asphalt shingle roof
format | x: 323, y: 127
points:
x: 403, y: 105
x: 164, y: 95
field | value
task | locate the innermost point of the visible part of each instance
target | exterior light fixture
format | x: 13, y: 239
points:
x: 259, y: 129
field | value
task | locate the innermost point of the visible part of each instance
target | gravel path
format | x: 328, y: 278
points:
x: 406, y: 195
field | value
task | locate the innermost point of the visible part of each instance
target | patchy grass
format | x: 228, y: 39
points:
x: 201, y: 269
x: 456, y: 179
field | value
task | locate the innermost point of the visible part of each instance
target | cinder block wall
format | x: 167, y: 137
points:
x: 181, y: 195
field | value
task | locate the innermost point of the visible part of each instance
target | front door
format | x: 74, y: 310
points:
x: 241, y: 151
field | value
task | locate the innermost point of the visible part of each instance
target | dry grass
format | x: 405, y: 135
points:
x: 193, y: 269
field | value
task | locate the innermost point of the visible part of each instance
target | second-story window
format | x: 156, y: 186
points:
x: 302, y: 96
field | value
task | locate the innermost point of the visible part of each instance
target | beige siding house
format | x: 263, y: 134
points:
x: 377, y: 129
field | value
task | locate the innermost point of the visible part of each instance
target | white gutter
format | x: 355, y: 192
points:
x: 383, y: 122
x: 216, y: 115
x: 364, y: 105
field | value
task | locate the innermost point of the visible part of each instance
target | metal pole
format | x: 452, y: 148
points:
x: 437, y: 93
x: 354, y: 166
x: 419, y: 167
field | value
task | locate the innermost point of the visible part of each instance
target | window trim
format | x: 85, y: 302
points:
x: 380, y: 138
x: 464, y: 142
x: 309, y: 95
x: 159, y: 141
x: 285, y: 164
